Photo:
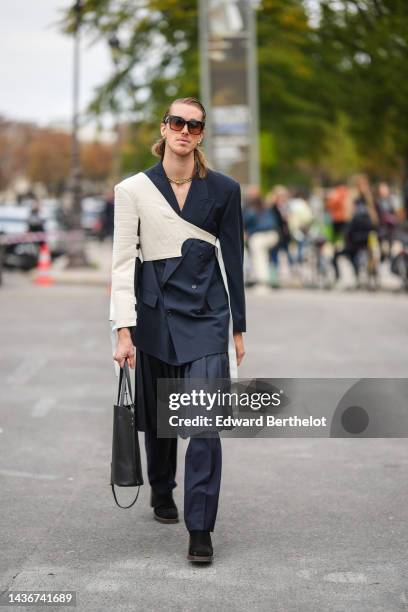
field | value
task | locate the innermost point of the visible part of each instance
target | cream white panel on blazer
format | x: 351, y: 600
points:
x: 162, y: 233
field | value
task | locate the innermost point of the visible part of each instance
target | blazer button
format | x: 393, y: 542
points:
x: 194, y: 286
x: 169, y: 312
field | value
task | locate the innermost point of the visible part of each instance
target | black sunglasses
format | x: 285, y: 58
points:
x: 177, y: 123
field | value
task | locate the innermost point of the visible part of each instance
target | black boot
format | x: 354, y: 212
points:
x: 200, y: 548
x: 165, y: 510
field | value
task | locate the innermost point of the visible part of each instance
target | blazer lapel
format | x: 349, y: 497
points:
x: 197, y: 205
x: 159, y: 178
x: 195, y: 210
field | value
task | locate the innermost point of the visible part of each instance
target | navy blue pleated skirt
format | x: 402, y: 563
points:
x: 149, y: 369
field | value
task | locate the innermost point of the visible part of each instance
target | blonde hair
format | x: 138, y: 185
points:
x: 159, y: 146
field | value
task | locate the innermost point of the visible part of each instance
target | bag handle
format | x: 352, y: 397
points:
x: 118, y: 504
x: 122, y: 384
x: 138, y: 237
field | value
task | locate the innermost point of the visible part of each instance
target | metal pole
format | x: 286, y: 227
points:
x: 205, y: 84
x: 76, y: 249
x: 114, y: 44
x: 76, y: 169
x: 253, y: 97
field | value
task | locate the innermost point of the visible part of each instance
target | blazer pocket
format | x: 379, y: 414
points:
x: 216, y: 299
x: 149, y: 298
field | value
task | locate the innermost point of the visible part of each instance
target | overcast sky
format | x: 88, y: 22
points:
x: 36, y: 62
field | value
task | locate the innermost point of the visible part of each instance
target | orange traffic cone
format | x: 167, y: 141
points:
x: 43, y: 276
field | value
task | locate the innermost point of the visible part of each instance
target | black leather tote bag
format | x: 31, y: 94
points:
x: 126, y: 468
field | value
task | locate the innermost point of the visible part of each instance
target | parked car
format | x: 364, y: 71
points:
x: 18, y: 219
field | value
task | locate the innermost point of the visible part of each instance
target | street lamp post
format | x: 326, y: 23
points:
x: 76, y: 248
x: 114, y: 44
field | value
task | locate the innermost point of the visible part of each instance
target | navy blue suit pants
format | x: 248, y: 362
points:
x: 203, y: 459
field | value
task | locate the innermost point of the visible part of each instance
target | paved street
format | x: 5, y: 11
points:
x: 305, y: 525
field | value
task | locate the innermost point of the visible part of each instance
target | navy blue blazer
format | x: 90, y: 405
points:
x: 182, y: 304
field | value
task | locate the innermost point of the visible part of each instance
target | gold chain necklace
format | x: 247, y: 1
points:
x: 180, y: 181
x: 184, y: 180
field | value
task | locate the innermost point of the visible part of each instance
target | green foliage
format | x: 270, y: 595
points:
x: 333, y: 92
x: 156, y: 61
x: 340, y: 158
x: 362, y: 50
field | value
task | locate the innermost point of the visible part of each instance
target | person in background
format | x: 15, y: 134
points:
x: 405, y: 198
x: 300, y: 218
x: 364, y: 219
x: 108, y: 215
x: 387, y: 218
x: 276, y: 200
x: 337, y: 204
x: 251, y: 203
x: 34, y: 221
x: 262, y: 234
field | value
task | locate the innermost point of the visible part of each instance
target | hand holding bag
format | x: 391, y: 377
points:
x: 126, y: 468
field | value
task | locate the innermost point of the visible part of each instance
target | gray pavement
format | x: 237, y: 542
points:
x: 303, y: 524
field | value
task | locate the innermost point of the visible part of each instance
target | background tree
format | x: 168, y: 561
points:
x: 333, y: 97
x: 15, y: 140
x: 156, y: 61
x: 292, y: 118
x: 96, y: 160
x: 361, y: 56
x: 49, y: 159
